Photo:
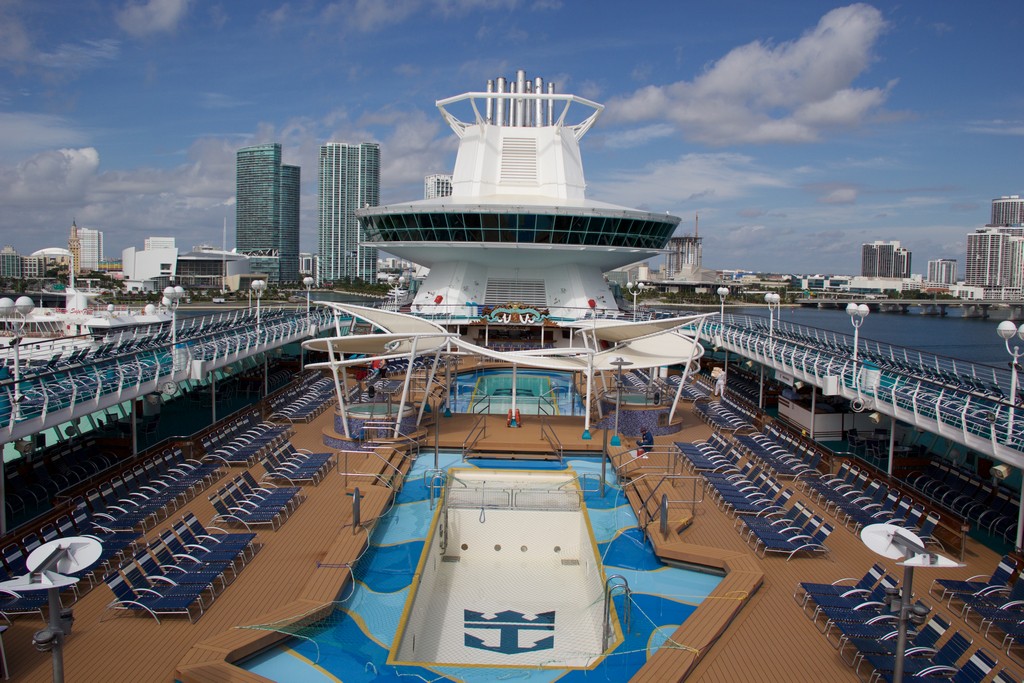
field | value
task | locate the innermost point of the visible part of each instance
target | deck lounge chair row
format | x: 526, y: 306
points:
x: 991, y: 507
x: 142, y: 496
x: 115, y: 546
x: 297, y: 466
x: 245, y: 502
x: 857, y: 501
x: 778, y: 458
x: 796, y: 530
x: 244, y: 441
x: 855, y: 617
x: 720, y: 417
x: 181, y: 571
x: 52, y: 473
x: 306, y: 400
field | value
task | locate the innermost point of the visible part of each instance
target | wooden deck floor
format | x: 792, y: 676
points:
x: 301, y: 567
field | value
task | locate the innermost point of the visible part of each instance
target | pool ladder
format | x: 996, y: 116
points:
x: 615, y: 585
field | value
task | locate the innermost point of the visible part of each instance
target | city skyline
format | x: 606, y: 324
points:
x: 797, y: 131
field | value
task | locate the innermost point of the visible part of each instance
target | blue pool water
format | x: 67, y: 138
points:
x: 537, y: 391
x: 352, y: 645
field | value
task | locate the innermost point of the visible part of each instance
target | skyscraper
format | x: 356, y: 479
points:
x: 885, y: 259
x: 989, y: 258
x: 267, y: 212
x: 942, y: 271
x: 1008, y: 210
x: 91, y: 249
x: 349, y: 180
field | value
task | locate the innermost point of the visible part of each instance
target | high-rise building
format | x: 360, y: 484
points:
x: 942, y: 271
x: 75, y: 247
x: 90, y: 249
x: 988, y: 258
x: 885, y: 259
x: 684, y: 257
x: 267, y: 212
x: 349, y: 180
x: 1007, y: 210
x: 10, y: 262
x: 437, y: 185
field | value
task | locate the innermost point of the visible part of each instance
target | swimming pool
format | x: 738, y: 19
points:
x: 355, y: 642
x: 537, y: 392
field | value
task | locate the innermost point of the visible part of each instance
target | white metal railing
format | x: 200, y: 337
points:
x: 63, y: 393
x: 958, y: 400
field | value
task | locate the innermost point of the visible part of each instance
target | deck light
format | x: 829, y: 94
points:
x: 857, y: 313
x: 635, y: 288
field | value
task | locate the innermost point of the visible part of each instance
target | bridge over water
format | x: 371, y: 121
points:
x: 939, y: 307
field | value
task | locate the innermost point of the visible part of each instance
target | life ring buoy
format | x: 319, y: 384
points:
x: 512, y: 419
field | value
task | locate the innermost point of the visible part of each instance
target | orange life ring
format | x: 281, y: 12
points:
x: 508, y: 419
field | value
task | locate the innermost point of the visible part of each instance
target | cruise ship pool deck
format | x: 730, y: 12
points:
x: 747, y: 628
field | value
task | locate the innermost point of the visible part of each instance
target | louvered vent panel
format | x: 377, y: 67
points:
x: 519, y: 161
x: 500, y: 292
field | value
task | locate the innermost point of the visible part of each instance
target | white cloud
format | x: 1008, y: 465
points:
x: 22, y: 132
x: 153, y: 16
x: 638, y: 136
x: 764, y: 92
x: 997, y: 127
x: 669, y: 185
x: 57, y: 177
x: 840, y: 195
x: 78, y: 56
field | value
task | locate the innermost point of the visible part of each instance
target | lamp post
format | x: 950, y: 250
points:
x: 172, y: 299
x: 308, y: 283
x: 19, y: 310
x: 618, y: 363
x: 635, y: 288
x: 857, y: 313
x: 257, y: 287
x: 774, y: 301
x: 1007, y: 330
x: 722, y: 293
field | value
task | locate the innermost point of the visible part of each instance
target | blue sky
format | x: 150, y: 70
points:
x: 796, y: 130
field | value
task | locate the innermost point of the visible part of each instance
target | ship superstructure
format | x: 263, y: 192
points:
x: 517, y: 226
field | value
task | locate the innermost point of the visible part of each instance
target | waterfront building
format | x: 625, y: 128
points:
x: 10, y: 262
x: 882, y: 259
x: 267, y: 212
x: 881, y: 285
x: 75, y: 248
x: 989, y: 258
x: 349, y: 180
x: 149, y: 270
x: 158, y: 243
x: 1007, y: 210
x: 90, y: 250
x: 942, y: 271
x: 684, y: 257
x: 437, y: 185
x: 517, y: 226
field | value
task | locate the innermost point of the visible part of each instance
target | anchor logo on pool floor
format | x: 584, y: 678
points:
x: 509, y: 623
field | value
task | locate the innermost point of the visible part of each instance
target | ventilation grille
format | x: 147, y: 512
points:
x: 500, y: 292
x: 519, y: 161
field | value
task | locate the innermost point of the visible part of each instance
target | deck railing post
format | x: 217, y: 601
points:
x: 664, y: 515
x: 356, y: 521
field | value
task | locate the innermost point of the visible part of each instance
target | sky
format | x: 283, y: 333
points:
x: 796, y: 130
